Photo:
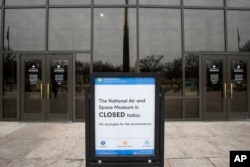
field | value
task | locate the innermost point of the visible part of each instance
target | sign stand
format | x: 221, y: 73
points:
x: 124, y: 120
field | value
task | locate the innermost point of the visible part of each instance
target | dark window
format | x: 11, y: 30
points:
x: 238, y: 31
x: 238, y: 3
x: 204, y: 2
x: 160, y: 46
x: 192, y: 108
x: 191, y: 75
x: 9, y: 86
x: 173, y: 109
x: 159, y: 2
x: 69, y: 2
x: 69, y: 29
x: 204, y: 30
x: 82, y: 78
x: 24, y: 29
x: 25, y: 2
x: 114, y: 38
x: 114, y: 2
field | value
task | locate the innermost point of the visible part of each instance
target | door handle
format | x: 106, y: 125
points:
x: 41, y: 91
x: 231, y: 90
x: 225, y: 91
x: 48, y: 91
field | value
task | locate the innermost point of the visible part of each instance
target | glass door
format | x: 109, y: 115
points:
x: 46, y: 87
x: 224, y: 87
x: 32, y: 87
x: 59, y: 87
x: 237, y: 87
x: 213, y: 92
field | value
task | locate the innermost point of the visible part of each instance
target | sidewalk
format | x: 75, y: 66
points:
x: 187, y: 144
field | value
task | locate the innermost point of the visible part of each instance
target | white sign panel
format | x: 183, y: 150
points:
x: 124, y: 116
x: 214, y: 78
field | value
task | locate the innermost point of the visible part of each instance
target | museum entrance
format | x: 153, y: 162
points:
x: 46, y: 87
x: 225, y: 92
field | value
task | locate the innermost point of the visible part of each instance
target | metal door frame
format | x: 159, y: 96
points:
x: 238, y: 115
x: 211, y: 116
x: 226, y: 114
x: 31, y: 116
x: 46, y: 115
x: 69, y: 115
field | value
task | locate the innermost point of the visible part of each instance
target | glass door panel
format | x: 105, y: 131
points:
x: 82, y: 78
x: 33, y: 86
x: 46, y: 87
x: 225, y: 87
x: 238, y: 87
x: 32, y: 82
x: 213, y: 88
x: 59, y: 87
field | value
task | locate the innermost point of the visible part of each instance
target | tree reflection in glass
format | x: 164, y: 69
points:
x: 114, y: 45
x: 191, y: 74
x: 238, y: 31
x: 160, y: 46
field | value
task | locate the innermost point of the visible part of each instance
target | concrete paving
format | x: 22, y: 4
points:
x: 187, y: 144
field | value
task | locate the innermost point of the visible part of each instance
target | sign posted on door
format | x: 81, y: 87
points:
x: 124, y: 125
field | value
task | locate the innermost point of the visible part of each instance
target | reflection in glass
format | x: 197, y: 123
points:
x: 24, y: 29
x: 82, y: 77
x: 9, y: 108
x: 238, y: 3
x: 214, y: 81
x: 204, y: 30
x: 9, y: 86
x: 171, y: 77
x: 173, y: 108
x: 160, y: 46
x: 33, y: 86
x: 239, y: 85
x: 204, y: 2
x: 109, y: 32
x: 71, y: 2
x: 192, y: 75
x: 69, y: 29
x: 114, y: 2
x: 238, y: 31
x: 192, y: 108
x: 25, y: 2
x: 159, y: 2
x: 59, y: 86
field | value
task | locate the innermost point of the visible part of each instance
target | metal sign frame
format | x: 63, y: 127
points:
x: 93, y: 160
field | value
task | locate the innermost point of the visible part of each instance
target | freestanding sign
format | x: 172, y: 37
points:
x: 124, y: 125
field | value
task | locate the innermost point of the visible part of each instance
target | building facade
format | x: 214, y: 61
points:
x: 49, y: 48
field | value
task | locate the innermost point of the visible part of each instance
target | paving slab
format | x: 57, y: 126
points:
x: 172, y: 150
x: 6, y: 128
x: 39, y: 144
x: 220, y: 162
x: 190, y: 162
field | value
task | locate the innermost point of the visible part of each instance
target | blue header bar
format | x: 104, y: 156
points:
x: 124, y: 81
x: 125, y: 152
